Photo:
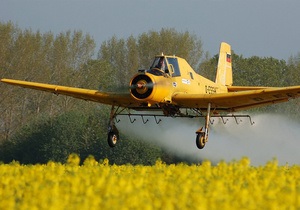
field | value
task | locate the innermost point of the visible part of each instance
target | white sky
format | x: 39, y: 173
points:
x: 252, y: 27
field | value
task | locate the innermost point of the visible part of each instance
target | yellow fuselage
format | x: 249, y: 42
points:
x: 153, y: 88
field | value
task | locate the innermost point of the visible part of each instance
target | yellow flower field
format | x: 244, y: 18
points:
x: 94, y: 185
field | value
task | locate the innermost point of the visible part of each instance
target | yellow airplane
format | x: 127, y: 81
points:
x: 172, y: 87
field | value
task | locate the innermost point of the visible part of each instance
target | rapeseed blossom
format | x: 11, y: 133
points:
x: 98, y: 185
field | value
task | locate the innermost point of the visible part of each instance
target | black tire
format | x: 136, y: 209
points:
x: 200, y: 140
x: 112, y: 139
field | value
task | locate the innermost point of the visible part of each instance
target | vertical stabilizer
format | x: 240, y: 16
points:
x: 224, y: 69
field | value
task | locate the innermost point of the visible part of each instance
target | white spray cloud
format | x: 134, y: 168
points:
x: 272, y: 136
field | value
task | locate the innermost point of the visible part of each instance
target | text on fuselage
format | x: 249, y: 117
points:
x: 210, y: 89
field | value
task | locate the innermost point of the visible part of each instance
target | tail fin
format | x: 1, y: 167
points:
x: 224, y: 69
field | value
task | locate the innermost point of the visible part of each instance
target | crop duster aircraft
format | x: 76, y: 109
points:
x: 172, y: 87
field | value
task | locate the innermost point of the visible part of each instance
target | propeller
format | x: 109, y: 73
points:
x: 124, y: 88
x: 142, y: 85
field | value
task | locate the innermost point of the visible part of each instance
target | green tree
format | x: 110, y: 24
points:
x: 127, y: 56
x: 208, y: 68
x: 43, y: 124
x: 170, y: 42
x: 256, y: 71
x: 78, y: 132
x: 293, y: 70
x: 28, y: 55
x: 293, y: 107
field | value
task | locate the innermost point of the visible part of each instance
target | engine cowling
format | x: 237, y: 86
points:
x: 150, y: 88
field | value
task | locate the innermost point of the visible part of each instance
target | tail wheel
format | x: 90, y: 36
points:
x: 112, y: 139
x: 200, y: 140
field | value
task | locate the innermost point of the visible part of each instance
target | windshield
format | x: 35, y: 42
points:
x: 159, y: 66
x: 159, y: 63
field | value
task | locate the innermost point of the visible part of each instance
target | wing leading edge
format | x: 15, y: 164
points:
x: 236, y: 101
x: 120, y: 99
x: 231, y: 101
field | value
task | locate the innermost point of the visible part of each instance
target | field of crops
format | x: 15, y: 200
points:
x: 94, y: 185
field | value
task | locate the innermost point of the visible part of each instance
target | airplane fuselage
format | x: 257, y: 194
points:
x: 158, y: 85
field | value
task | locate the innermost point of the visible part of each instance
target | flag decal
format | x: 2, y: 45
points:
x: 228, y: 58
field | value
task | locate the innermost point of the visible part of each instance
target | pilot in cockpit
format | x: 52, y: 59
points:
x: 159, y: 67
x: 162, y: 65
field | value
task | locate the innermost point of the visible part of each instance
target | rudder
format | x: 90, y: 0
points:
x: 224, y: 69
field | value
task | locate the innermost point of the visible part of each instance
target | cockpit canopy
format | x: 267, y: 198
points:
x: 163, y: 65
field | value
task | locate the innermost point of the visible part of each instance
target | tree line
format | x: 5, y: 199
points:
x: 37, y: 126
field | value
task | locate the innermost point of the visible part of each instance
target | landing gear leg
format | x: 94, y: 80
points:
x: 113, y: 133
x: 202, y: 136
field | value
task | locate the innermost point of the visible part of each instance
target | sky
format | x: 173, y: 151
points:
x: 253, y: 27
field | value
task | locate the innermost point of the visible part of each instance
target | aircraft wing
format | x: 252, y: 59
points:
x: 244, y: 88
x: 121, y: 99
x: 236, y: 101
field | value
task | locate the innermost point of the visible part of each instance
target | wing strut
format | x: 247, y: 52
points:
x: 202, y: 136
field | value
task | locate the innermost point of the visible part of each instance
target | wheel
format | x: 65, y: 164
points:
x: 112, y: 139
x: 200, y: 140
